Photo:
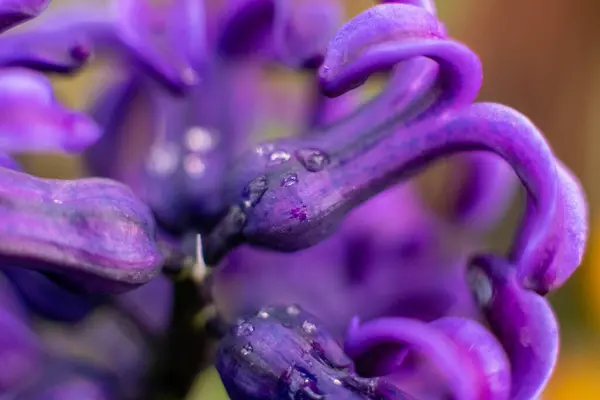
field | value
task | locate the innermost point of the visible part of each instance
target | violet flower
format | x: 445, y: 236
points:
x: 450, y: 323
x: 301, y: 189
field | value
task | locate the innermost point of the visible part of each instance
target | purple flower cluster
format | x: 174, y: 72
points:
x: 333, y: 278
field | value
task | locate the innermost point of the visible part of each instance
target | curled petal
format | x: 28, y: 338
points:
x: 384, y: 36
x: 48, y: 299
x: 469, y: 358
x: 297, y: 34
x: 283, y: 352
x: 547, y: 262
x: 291, y: 217
x: 14, y: 12
x: 92, y: 233
x: 522, y: 321
x: 31, y: 120
x: 170, y: 38
x: 45, y: 51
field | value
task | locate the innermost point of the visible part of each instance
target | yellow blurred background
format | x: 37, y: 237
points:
x: 541, y: 57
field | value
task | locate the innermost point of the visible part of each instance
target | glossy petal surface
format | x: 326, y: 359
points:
x: 93, y: 233
x: 283, y: 352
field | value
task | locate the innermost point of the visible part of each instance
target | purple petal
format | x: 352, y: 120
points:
x: 20, y: 351
x: 292, y: 217
x: 385, y: 35
x: 283, y: 352
x: 439, y: 349
x: 551, y: 248
x: 14, y: 12
x: 31, y: 120
x: 92, y: 233
x: 46, y: 298
x: 386, y: 259
x: 45, y: 50
x: 522, y: 321
x: 294, y: 34
x: 169, y: 38
x: 7, y: 161
x: 150, y: 305
x: 485, y: 193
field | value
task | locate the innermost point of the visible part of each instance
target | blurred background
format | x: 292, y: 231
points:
x: 539, y: 56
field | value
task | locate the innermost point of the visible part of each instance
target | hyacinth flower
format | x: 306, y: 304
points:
x: 178, y: 169
x: 515, y: 356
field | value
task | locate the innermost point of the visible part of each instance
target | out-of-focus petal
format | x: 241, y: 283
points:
x: 294, y: 33
x: 386, y: 259
x: 150, y: 305
x: 14, y: 12
x: 68, y: 380
x: 467, y: 357
x: 108, y: 340
x: 284, y: 352
x: 92, y: 233
x: 484, y: 193
x: 7, y: 161
x: 20, y: 351
x: 47, y: 299
x: 50, y: 51
x: 523, y: 322
x: 169, y: 36
x: 31, y: 120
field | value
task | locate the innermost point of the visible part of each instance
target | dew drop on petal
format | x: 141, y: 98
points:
x: 193, y: 165
x: 199, y: 139
x: 163, y: 159
x: 279, y: 157
x: 244, y: 329
x: 481, y: 285
x: 293, y: 310
x: 309, y: 327
x: 247, y: 349
x: 314, y: 160
x: 289, y: 180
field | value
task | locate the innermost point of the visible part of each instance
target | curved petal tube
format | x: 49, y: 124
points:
x: 283, y: 352
x: 522, y: 321
x: 470, y: 360
x: 31, y: 120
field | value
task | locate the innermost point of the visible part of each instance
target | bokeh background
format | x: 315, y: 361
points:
x: 541, y: 57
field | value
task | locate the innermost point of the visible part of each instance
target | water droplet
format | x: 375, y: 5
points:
x: 57, y: 201
x: 255, y: 191
x: 163, y: 159
x: 199, y: 139
x: 314, y: 160
x: 247, y: 349
x: 279, y: 157
x: 309, y: 327
x: 481, y: 285
x: 336, y: 381
x: 244, y: 329
x: 263, y: 314
x: 293, y: 310
x: 189, y: 76
x: 264, y: 148
x: 194, y: 165
x: 289, y: 179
